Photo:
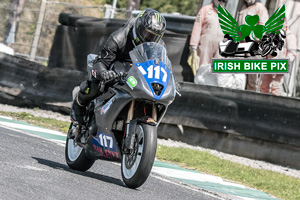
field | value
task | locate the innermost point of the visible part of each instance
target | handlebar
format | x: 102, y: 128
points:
x: 118, y: 79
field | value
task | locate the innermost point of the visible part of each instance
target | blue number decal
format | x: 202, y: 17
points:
x: 155, y: 74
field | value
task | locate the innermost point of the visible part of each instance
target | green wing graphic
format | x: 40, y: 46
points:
x: 275, y: 22
x: 228, y: 24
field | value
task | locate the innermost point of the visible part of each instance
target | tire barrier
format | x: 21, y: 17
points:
x: 25, y: 83
x: 244, y: 123
x: 180, y: 23
x: 262, y: 116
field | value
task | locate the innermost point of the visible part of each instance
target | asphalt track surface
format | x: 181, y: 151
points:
x: 34, y: 168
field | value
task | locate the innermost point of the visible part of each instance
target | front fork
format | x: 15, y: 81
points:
x: 128, y: 144
x: 131, y: 112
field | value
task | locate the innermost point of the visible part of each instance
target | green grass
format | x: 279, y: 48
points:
x: 278, y: 185
x: 50, y: 123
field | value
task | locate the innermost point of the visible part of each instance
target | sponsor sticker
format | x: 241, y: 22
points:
x: 106, y: 107
x: 131, y: 82
x: 105, y: 145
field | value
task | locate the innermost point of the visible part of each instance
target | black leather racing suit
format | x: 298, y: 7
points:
x: 115, y: 50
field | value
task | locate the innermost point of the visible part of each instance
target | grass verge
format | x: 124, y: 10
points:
x: 279, y: 185
x: 39, y: 121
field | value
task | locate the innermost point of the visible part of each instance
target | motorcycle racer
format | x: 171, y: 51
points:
x: 148, y: 26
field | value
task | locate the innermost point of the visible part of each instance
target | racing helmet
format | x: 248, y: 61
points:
x: 149, y: 26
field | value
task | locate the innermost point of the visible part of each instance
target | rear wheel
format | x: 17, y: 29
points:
x: 75, y: 155
x: 137, y: 166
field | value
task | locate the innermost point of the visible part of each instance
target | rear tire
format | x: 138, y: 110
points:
x: 137, y: 166
x: 75, y: 155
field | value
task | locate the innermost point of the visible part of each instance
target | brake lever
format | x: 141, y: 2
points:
x: 122, y: 78
x: 119, y: 78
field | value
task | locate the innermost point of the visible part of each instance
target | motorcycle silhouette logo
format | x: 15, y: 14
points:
x: 259, y: 39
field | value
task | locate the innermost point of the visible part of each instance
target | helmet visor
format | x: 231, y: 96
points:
x: 148, y: 36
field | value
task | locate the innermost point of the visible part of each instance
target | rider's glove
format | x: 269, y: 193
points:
x: 106, y: 75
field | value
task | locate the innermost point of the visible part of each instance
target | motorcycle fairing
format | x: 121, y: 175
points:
x: 153, y: 73
x: 106, y: 115
x: 148, y: 54
x: 105, y: 146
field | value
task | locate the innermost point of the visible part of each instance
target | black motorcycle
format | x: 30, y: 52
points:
x: 121, y: 124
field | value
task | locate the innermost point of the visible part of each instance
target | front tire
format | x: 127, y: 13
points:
x: 137, y: 166
x: 75, y: 155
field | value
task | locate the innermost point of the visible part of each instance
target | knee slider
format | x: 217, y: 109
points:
x: 85, y: 87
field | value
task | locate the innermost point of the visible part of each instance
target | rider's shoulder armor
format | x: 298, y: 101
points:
x: 120, y: 36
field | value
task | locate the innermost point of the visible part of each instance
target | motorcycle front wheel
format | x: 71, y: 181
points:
x: 75, y: 155
x: 137, y: 166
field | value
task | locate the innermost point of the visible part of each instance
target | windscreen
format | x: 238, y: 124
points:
x: 150, y: 51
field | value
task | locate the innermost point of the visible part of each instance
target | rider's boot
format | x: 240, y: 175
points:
x: 78, y: 112
x: 77, y: 117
